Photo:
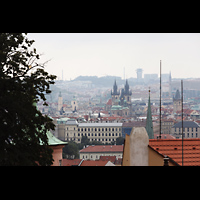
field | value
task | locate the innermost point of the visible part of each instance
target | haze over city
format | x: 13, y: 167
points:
x: 101, y: 54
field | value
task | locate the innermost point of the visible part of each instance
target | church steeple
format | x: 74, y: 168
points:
x: 149, y: 123
x: 114, y: 89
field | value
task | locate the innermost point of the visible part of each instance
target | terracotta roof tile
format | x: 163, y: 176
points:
x: 94, y: 163
x: 108, y: 158
x: 69, y: 162
x: 173, y: 149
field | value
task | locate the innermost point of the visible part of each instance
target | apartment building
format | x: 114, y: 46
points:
x: 190, y: 130
x: 102, y: 132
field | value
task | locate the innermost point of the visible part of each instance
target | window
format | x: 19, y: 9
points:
x: 99, y: 129
x: 99, y: 134
x: 188, y: 134
x: 85, y: 129
x: 112, y: 129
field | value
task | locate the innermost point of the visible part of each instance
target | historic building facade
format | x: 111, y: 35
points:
x: 102, y: 132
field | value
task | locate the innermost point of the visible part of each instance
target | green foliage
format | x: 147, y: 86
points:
x: 120, y: 141
x: 22, y: 82
x: 71, y: 150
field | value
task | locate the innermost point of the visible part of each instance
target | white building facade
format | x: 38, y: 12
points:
x: 102, y: 132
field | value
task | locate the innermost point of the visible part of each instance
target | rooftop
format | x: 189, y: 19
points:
x: 173, y: 149
x: 94, y: 163
x: 69, y: 162
x: 186, y: 124
x: 100, y: 124
x: 102, y: 148
x: 52, y: 140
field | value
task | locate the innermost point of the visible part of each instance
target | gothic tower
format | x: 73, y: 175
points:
x: 115, y: 94
x: 127, y: 93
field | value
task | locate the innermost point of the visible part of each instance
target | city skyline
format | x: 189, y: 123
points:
x: 101, y: 54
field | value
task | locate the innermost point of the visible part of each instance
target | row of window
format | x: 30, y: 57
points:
x: 97, y: 129
x: 96, y: 139
x: 192, y: 135
x: 97, y: 156
x: 186, y: 129
x: 97, y: 134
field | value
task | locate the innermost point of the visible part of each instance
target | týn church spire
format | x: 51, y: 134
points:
x: 149, y: 123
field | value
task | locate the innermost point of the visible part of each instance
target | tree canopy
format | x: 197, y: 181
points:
x: 23, y: 81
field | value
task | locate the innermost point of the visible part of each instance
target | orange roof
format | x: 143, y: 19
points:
x: 69, y: 162
x: 94, y: 163
x: 173, y: 149
x: 108, y: 158
x: 102, y: 148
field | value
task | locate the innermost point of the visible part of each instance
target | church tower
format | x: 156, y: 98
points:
x: 177, y: 102
x: 74, y: 104
x: 115, y: 94
x: 149, y: 123
x: 127, y: 93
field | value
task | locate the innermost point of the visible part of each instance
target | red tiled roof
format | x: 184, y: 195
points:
x: 102, y: 148
x: 109, y: 102
x: 94, y: 163
x: 108, y: 158
x: 173, y: 149
x: 69, y: 162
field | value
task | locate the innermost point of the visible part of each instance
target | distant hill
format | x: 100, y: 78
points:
x: 104, y: 81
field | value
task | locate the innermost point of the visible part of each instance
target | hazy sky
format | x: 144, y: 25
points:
x: 100, y: 54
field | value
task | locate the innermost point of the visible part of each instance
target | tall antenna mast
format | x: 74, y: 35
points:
x: 182, y: 116
x: 160, y: 101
